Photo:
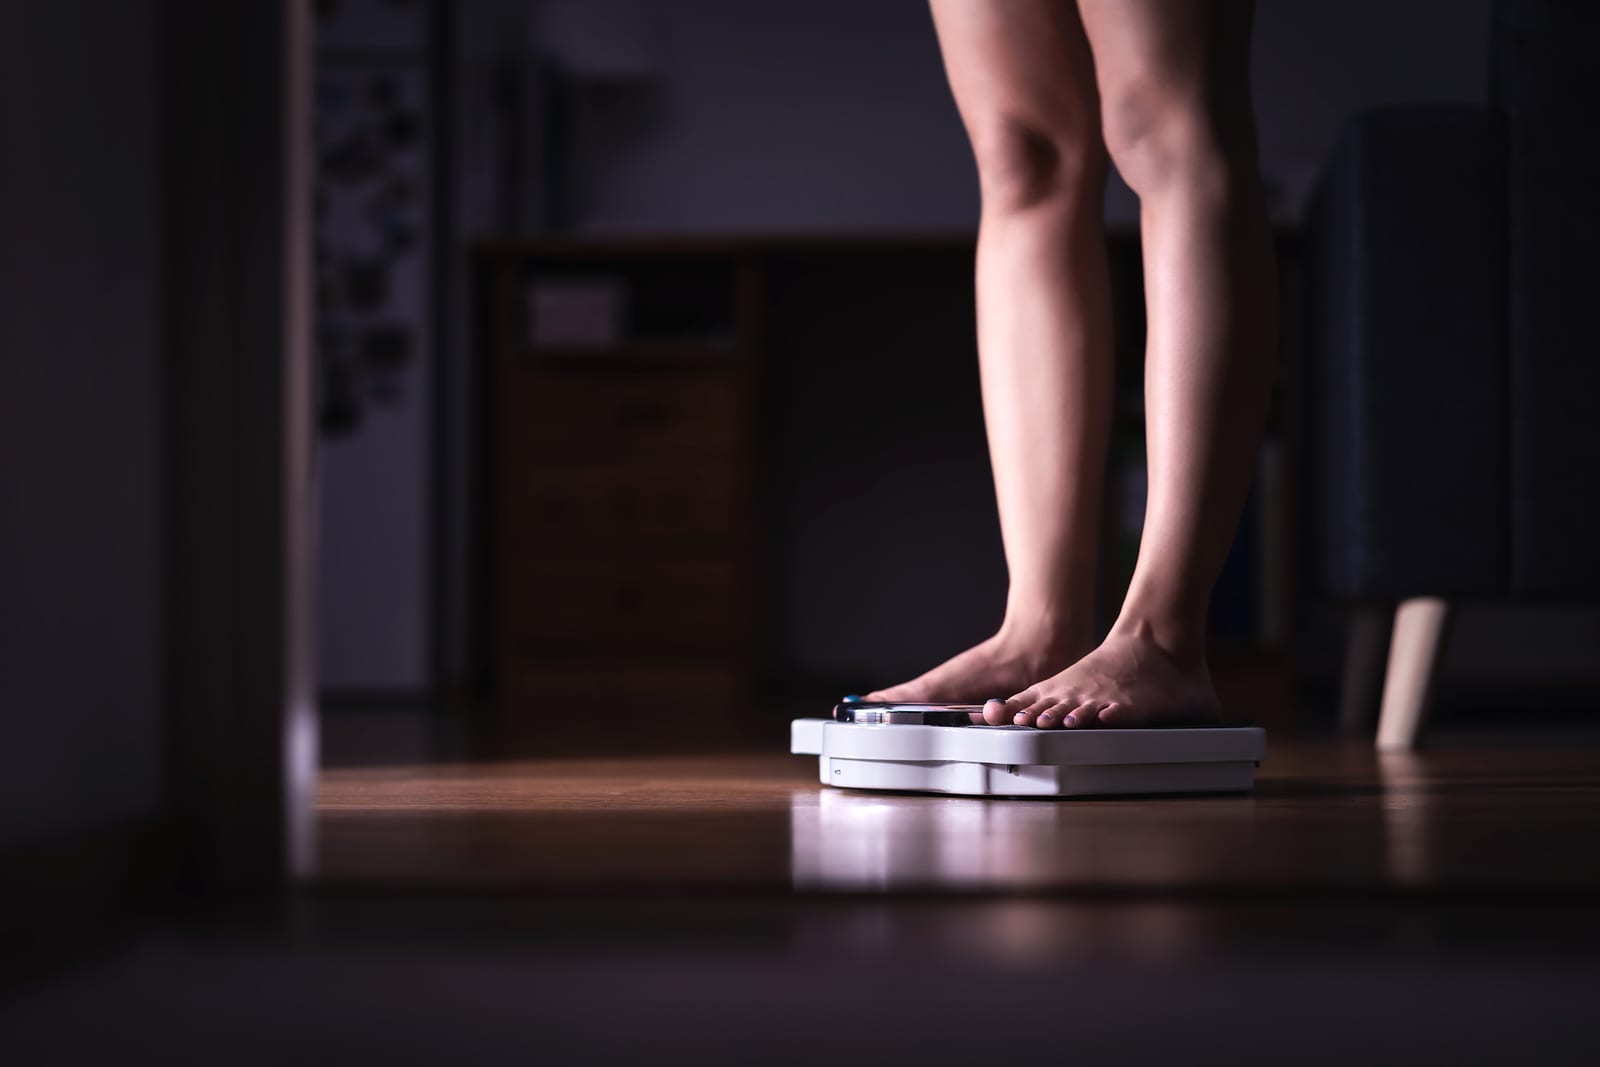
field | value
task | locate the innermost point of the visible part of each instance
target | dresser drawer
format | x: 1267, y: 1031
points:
x: 555, y: 688
x: 660, y: 607
x: 661, y: 511
x: 586, y: 419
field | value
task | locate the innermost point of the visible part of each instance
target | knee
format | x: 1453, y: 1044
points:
x: 1022, y: 164
x: 1158, y: 138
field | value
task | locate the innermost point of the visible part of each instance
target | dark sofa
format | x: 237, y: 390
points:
x: 1452, y: 393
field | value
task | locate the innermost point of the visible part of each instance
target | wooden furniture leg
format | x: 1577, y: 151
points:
x: 1361, y: 681
x: 1419, y: 634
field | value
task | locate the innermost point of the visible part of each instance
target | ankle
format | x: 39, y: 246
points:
x: 1180, y: 637
x: 1046, y: 634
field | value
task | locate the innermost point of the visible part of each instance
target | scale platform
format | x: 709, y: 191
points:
x: 1022, y: 761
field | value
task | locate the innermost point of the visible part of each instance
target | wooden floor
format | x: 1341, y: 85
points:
x: 1326, y: 821
x: 728, y: 909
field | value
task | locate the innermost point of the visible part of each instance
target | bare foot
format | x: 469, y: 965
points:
x: 1002, y: 664
x: 1129, y: 681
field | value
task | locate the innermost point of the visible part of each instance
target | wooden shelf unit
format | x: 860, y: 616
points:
x: 621, y: 522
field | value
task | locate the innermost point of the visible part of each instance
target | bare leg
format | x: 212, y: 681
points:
x: 1023, y: 82
x: 1175, y: 105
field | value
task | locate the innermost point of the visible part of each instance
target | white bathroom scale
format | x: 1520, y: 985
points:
x: 918, y: 750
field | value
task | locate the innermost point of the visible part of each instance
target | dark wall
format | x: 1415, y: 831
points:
x: 883, y: 536
x: 836, y: 114
x: 81, y: 611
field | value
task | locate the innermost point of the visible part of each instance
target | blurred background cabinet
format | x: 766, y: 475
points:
x: 621, y: 401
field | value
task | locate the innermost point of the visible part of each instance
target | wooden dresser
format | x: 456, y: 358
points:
x: 621, y: 408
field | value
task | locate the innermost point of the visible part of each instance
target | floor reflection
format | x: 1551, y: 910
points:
x: 1408, y: 825
x: 845, y: 840
x: 849, y: 841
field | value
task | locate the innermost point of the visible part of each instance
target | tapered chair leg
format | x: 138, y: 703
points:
x: 1366, y: 645
x: 1420, y: 626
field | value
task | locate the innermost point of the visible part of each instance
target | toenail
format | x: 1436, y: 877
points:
x: 1071, y: 720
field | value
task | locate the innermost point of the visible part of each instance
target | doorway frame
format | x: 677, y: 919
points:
x: 238, y: 173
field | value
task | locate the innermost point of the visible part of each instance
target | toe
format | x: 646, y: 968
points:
x: 1003, y: 712
x: 1029, y: 716
x: 1112, y: 714
x: 1085, y: 714
x: 1051, y: 717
